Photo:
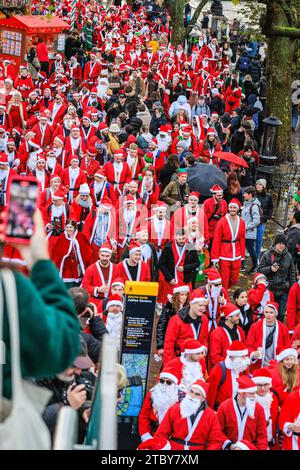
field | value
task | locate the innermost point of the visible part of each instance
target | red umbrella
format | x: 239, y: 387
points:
x: 232, y: 158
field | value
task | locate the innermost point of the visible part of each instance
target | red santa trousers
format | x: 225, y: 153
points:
x: 230, y: 272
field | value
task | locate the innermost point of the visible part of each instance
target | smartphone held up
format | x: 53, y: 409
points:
x: 22, y: 202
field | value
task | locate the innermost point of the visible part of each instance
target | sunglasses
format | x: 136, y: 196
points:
x: 165, y: 381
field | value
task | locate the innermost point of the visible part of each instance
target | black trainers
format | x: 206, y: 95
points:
x: 243, y: 268
x: 252, y: 271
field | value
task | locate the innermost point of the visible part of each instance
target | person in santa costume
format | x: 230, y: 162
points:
x: 23, y: 83
x: 133, y: 161
x: 189, y: 323
x: 159, y: 227
x: 72, y: 178
x: 74, y: 72
x: 11, y: 152
x: 47, y: 194
x: 33, y: 106
x: 148, y: 188
x: 16, y: 111
x: 60, y: 152
x: 155, y: 443
x: 267, y: 337
x: 89, y: 165
x: 130, y: 217
x: 259, y: 295
x: 228, y: 331
x: 228, y: 247
x: 58, y: 109
x: 285, y: 372
x: 209, y: 146
x: 5, y: 175
x: 266, y: 397
x: 216, y: 295
x: 100, y: 189
x: 71, y: 254
x: 87, y: 131
x: 157, y: 402
x: 149, y: 254
x: 223, y: 377
x: 82, y: 206
x: 52, y: 165
x: 154, y: 156
x: 191, y: 424
x: 100, y: 276
x: 8, y: 69
x: 92, y: 70
x: 178, y: 263
x: 74, y: 144
x: 114, y: 319
x: 40, y: 172
x: 192, y: 209
x: 117, y: 172
x: 100, y: 226
x: 178, y: 300
x: 133, y: 268
x: 215, y: 208
x: 55, y: 216
x: 241, y: 417
x: 191, y: 365
x: 187, y: 136
x: 293, y: 307
x: 289, y: 422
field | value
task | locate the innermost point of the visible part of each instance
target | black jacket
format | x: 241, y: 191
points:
x: 250, y: 174
x: 217, y: 105
x: 167, y: 312
x: 281, y: 281
x: 254, y: 70
x: 156, y: 123
x: 293, y: 237
x: 190, y: 266
x: 266, y: 203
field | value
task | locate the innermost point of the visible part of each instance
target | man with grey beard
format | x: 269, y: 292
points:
x: 223, y: 377
x: 157, y: 402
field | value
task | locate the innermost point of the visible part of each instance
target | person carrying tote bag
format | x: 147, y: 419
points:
x: 21, y: 424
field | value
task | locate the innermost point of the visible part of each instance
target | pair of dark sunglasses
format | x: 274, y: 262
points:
x: 165, y: 381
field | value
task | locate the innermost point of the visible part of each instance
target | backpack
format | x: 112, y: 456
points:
x: 243, y: 64
x: 223, y: 367
x: 261, y: 212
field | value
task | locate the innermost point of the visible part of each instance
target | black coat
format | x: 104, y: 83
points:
x: 254, y: 70
x: 266, y: 204
x: 281, y: 281
x: 217, y: 105
x: 293, y: 241
x: 250, y: 174
x: 190, y: 266
x: 156, y: 123
x: 167, y: 312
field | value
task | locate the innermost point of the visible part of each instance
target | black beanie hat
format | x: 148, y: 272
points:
x: 280, y: 238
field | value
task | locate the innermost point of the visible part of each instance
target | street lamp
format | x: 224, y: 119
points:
x: 270, y: 139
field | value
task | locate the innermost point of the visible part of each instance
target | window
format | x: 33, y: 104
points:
x: 11, y: 43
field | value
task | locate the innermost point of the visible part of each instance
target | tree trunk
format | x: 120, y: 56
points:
x: 178, y: 30
x: 279, y: 75
x: 196, y: 14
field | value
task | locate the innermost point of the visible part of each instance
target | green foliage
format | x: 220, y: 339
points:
x: 252, y: 12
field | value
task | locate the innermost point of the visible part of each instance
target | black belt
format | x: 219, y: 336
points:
x: 74, y: 189
x: 229, y: 241
x: 185, y: 443
x: 154, y: 425
x: 296, y: 434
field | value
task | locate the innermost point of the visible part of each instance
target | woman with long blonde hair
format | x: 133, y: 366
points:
x: 285, y: 373
x: 16, y: 111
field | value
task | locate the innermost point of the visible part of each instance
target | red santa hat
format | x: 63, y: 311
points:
x: 163, y: 129
x: 216, y: 189
x: 213, y: 276
x: 43, y: 116
x: 118, y: 281
x: 197, y: 296
x: 160, y: 205
x: 59, y: 194
x: 94, y: 89
x: 215, y: 115
x: 273, y: 305
x: 195, y: 50
x: 155, y: 443
x: 229, y: 310
x: 154, y: 142
x: 258, y: 276
x: 18, y: 130
x: 94, y: 112
x: 3, y: 159
x: 10, y: 141
x: 134, y: 247
x: 118, y: 153
x: 129, y: 200
x: 245, y: 445
x: 100, y: 173
x: 262, y: 376
x: 237, y: 349
x: 40, y: 159
x: 202, y: 386
x: 106, y: 247
x: 114, y: 300
x: 246, y: 385
x: 74, y: 158
x: 30, y: 131
x: 235, y: 202
x: 2, y: 106
x: 194, y: 194
x: 103, y: 127
x: 92, y: 151
x: 180, y: 289
x: 187, y: 130
x: 86, y: 116
x: 211, y: 131
x: 60, y: 138
x: 170, y: 373
x: 286, y: 353
x: 75, y: 127
x: 53, y: 177
x: 193, y: 346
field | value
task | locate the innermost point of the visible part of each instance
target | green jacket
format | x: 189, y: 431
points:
x: 49, y: 327
x: 171, y: 193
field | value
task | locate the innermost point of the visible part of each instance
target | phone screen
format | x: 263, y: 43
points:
x: 23, y: 196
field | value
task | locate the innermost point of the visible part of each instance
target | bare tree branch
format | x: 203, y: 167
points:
x: 196, y: 14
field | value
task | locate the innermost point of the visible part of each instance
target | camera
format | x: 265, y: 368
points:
x: 88, y: 386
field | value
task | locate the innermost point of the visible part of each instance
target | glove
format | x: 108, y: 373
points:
x: 135, y: 381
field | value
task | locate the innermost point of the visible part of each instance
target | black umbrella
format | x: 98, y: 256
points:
x: 202, y: 176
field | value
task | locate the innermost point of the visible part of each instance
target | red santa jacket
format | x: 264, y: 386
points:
x: 57, y: 118
x: 74, y: 72
x: 193, y: 147
x: 80, y: 212
x: 205, y: 431
x: 24, y: 85
x: 149, y: 198
x: 45, y: 139
x: 234, y: 429
x: 149, y: 59
x: 89, y: 167
x: 214, y: 212
x: 143, y: 272
x: 94, y: 278
x: 91, y: 223
x: 179, y: 330
x: 71, y: 150
x: 61, y: 251
x: 87, y: 133
x: 124, y: 177
x: 258, y: 297
x: 148, y: 420
x: 218, y: 391
x: 277, y: 382
x: 91, y: 72
x: 106, y: 191
x: 293, y: 307
x: 209, y: 153
x: 178, y: 365
x: 288, y: 415
x: 159, y: 234
x: 213, y: 311
x: 257, y: 338
x: 219, y: 342
x: 232, y: 99
x: 66, y: 181
x: 227, y: 245
x: 182, y: 216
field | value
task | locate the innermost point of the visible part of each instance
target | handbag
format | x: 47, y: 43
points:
x: 21, y: 424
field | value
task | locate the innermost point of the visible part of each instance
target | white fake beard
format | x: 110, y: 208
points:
x: 250, y: 405
x: 163, y: 397
x: 239, y: 364
x: 129, y: 216
x: 163, y: 144
x: 189, y: 406
x: 265, y: 402
x: 3, y: 174
x: 215, y: 291
x: 98, y: 187
x: 114, y: 324
x: 51, y: 162
x: 191, y: 372
x: 74, y: 172
x: 75, y: 142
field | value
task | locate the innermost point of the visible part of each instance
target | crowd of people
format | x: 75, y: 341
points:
x: 112, y: 136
